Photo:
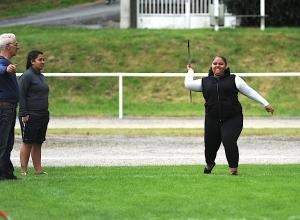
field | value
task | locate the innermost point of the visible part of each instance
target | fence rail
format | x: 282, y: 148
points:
x: 122, y: 75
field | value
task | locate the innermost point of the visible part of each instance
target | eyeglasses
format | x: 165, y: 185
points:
x: 15, y: 45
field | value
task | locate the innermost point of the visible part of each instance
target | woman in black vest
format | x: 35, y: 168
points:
x: 223, y: 111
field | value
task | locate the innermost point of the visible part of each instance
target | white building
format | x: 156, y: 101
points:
x: 178, y: 14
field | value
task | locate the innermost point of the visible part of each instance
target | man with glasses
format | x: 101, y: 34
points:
x: 9, y: 97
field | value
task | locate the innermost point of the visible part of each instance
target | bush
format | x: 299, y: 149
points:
x: 279, y: 12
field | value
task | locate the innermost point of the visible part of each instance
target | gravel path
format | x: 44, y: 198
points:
x: 117, y: 150
x: 153, y: 150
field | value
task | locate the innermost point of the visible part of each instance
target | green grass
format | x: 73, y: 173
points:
x: 114, y: 50
x: 16, y: 8
x: 165, y: 132
x: 155, y: 192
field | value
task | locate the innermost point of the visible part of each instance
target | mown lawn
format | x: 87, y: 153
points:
x: 155, y: 192
x: 272, y: 132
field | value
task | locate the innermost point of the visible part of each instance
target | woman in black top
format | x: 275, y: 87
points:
x: 223, y: 111
x: 33, y: 111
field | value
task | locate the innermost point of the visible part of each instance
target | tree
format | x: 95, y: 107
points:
x: 278, y: 12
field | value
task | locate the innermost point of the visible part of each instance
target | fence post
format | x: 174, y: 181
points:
x: 125, y: 12
x: 187, y: 14
x: 262, y: 15
x: 120, y: 96
x: 216, y: 14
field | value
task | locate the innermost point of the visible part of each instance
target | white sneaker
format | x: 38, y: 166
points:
x: 24, y: 173
x: 41, y: 173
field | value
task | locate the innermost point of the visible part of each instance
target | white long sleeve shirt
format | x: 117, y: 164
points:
x: 241, y: 85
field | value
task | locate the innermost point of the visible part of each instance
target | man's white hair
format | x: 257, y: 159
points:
x: 5, y: 39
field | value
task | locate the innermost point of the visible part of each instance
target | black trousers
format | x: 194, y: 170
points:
x: 7, y: 137
x: 226, y: 132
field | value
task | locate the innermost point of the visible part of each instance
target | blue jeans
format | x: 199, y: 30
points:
x: 7, y: 138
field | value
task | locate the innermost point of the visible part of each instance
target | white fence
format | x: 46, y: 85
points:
x: 173, y: 6
x: 172, y: 13
x: 122, y: 75
x: 179, y: 14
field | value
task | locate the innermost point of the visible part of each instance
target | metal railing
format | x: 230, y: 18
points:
x: 122, y: 75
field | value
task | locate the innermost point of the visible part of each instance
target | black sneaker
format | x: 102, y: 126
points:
x: 234, y: 173
x: 11, y: 177
x: 208, y: 170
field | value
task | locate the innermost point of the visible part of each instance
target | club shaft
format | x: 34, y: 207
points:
x: 189, y: 53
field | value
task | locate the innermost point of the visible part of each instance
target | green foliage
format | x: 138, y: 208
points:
x: 279, y: 12
x: 283, y: 13
x: 114, y: 50
x: 155, y: 192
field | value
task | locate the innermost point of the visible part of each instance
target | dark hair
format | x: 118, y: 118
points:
x: 223, y: 58
x: 32, y: 55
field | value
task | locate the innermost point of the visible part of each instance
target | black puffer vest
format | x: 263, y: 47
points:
x: 221, y: 96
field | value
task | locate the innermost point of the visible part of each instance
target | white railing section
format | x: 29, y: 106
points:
x: 173, y: 6
x: 122, y: 75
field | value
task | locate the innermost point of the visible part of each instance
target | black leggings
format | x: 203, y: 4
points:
x: 226, y: 132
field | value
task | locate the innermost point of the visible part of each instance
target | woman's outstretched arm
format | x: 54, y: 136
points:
x: 190, y: 83
x: 243, y: 87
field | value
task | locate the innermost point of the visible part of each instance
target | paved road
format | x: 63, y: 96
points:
x: 96, y: 14
x: 166, y: 122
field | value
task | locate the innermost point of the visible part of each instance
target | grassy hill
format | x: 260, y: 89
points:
x: 113, y: 50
